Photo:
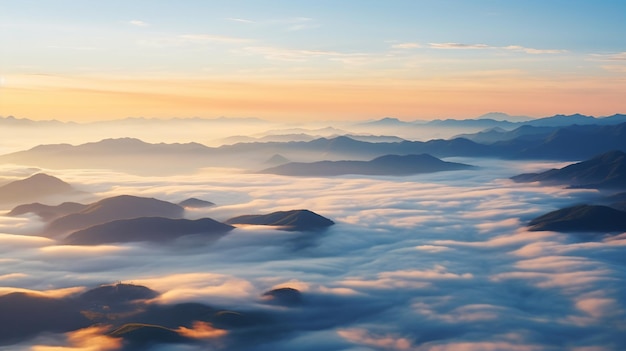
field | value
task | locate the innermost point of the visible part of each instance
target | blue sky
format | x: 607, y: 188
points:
x: 519, y: 45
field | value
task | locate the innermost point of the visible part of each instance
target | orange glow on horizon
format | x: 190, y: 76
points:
x: 88, y: 99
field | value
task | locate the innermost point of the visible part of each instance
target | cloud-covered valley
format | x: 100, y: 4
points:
x: 427, y: 262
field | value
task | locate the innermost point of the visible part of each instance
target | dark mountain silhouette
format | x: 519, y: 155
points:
x: 195, y: 203
x: 283, y: 296
x: 150, y: 229
x: 47, y: 212
x: 607, y: 170
x: 581, y: 218
x: 294, y: 220
x: 25, y: 315
x: 126, y: 308
x: 35, y: 187
x: 385, y: 165
x: 115, y: 208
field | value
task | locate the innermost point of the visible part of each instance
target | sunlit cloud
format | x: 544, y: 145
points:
x: 197, y: 286
x: 201, y: 330
x: 88, y: 339
x: 52, y: 293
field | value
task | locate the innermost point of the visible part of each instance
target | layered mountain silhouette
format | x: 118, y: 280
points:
x: 47, y: 212
x: 607, y: 170
x: 581, y: 218
x: 195, y: 203
x: 33, y: 188
x: 294, y: 220
x: 114, y: 208
x: 540, y: 141
x: 147, y: 229
x: 393, y: 165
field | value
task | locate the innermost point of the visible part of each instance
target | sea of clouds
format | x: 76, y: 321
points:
x: 427, y: 262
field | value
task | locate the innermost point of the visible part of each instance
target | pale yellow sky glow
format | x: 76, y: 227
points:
x: 97, y: 98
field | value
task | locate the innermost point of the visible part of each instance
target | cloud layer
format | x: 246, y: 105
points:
x: 428, y: 262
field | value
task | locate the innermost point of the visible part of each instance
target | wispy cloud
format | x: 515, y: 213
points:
x: 620, y: 56
x: 138, y: 23
x: 517, y: 48
x: 533, y: 50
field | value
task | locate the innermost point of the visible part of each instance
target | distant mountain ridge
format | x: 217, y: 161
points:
x: 394, y: 165
x: 136, y: 156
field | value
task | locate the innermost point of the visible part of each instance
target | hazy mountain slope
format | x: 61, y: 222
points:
x: 115, y: 208
x: 33, y: 188
x: 607, y: 170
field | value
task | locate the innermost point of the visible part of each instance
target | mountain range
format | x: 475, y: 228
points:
x: 393, y: 165
x: 136, y: 156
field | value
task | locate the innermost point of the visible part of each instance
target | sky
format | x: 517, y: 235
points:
x: 310, y: 60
